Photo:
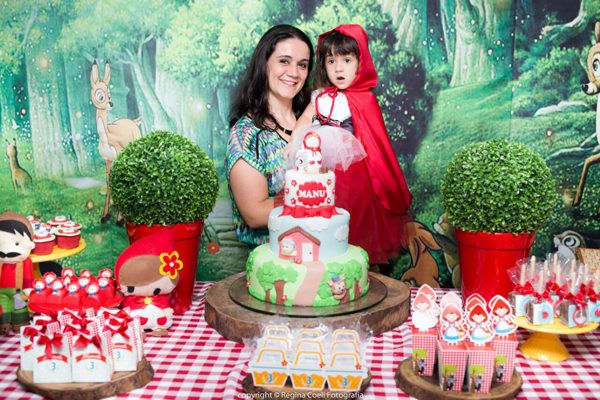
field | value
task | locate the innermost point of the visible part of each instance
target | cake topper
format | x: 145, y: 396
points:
x: 451, y: 324
x: 503, y: 319
x: 479, y: 329
x: 424, y: 312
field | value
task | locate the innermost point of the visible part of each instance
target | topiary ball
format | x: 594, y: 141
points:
x: 163, y: 178
x: 498, y: 187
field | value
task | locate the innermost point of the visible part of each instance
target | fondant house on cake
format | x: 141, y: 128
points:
x: 299, y: 245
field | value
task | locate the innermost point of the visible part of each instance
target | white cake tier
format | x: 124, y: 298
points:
x: 309, y: 191
x: 308, y: 239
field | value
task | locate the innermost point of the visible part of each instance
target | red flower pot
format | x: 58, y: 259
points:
x: 187, y: 238
x: 485, y: 258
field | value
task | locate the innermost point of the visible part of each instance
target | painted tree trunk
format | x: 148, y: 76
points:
x: 410, y: 21
x: 81, y: 115
x: 268, y: 295
x: 53, y: 153
x: 279, y: 286
x: 356, y: 289
x: 484, y: 46
x: 346, y: 297
x: 447, y: 17
x: 159, y: 119
x: 7, y: 104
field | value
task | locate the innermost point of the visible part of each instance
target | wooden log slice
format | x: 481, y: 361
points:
x: 235, y: 322
x: 122, y: 382
x: 288, y: 391
x: 427, y: 387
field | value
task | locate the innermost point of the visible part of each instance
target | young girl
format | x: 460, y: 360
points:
x: 372, y: 188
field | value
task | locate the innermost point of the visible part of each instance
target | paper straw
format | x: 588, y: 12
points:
x: 542, y: 276
x: 522, y: 277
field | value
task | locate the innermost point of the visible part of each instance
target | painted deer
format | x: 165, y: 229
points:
x: 591, y: 88
x: 19, y: 177
x: 113, y: 137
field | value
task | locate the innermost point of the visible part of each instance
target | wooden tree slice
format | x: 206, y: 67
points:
x: 122, y: 382
x: 235, y: 322
x: 288, y: 391
x: 427, y: 387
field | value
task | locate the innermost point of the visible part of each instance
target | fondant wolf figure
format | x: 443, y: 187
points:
x: 113, y: 137
x: 591, y: 88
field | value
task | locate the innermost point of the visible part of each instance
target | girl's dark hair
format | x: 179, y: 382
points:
x: 252, y: 95
x: 335, y: 43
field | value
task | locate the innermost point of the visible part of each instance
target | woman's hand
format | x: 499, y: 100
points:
x: 251, y: 194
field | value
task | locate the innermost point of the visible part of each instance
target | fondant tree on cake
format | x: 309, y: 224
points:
x: 352, y: 274
x: 272, y: 276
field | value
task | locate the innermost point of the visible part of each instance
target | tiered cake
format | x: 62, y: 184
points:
x: 308, y: 261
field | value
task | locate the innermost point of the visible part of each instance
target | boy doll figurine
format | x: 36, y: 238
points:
x: 147, y: 272
x: 16, y: 270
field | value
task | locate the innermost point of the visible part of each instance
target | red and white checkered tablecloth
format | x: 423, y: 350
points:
x: 194, y: 361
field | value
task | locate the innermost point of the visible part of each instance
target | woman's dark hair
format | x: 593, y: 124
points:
x: 335, y: 43
x: 252, y: 96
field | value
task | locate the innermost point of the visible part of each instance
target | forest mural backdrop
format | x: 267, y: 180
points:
x: 450, y: 73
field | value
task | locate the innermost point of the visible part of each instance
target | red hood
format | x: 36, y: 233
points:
x: 366, y: 76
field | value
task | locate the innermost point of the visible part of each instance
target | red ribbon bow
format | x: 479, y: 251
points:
x: 49, y: 343
x: 589, y: 292
x: 332, y: 92
x: 83, y: 340
x: 525, y: 289
x: 122, y: 330
x: 578, y: 300
x: 30, y: 332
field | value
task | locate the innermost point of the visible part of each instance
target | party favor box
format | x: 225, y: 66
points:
x: 480, y: 367
x: 423, y: 353
x: 452, y: 361
x: 504, y: 364
x: 308, y: 371
x: 269, y: 368
x: 346, y: 372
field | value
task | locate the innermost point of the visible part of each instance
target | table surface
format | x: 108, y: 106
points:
x: 194, y: 361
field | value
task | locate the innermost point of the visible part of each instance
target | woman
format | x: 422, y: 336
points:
x: 272, y: 95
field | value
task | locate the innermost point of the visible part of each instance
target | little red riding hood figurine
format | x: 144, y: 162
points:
x: 146, y: 272
x: 16, y: 270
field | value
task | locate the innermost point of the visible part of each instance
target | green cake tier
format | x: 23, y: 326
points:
x: 314, y: 284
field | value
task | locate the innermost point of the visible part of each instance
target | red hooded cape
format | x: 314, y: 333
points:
x: 385, y: 173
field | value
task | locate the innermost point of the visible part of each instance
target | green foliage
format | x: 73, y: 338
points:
x: 500, y: 359
x: 476, y: 370
x: 163, y: 178
x: 498, y: 186
x: 448, y: 369
x: 213, y: 40
x: 419, y: 353
x: 350, y: 271
x: 270, y: 272
x: 116, y: 28
x: 554, y: 78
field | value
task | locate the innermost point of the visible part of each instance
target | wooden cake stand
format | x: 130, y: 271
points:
x: 122, y: 382
x: 544, y: 344
x: 234, y: 319
x: 428, y: 387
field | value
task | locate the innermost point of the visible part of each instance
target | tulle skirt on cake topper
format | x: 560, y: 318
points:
x: 339, y: 148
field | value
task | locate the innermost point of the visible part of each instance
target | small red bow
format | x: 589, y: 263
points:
x: 30, y: 332
x: 525, y: 289
x: 332, y: 92
x: 83, y: 340
x: 49, y: 343
x: 122, y: 330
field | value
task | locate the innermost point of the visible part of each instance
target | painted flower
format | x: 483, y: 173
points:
x: 287, y: 190
x: 170, y: 264
x: 248, y: 283
x: 328, y: 200
x: 329, y: 181
x: 283, y: 298
x: 293, y: 201
x: 213, y: 248
x: 294, y: 183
